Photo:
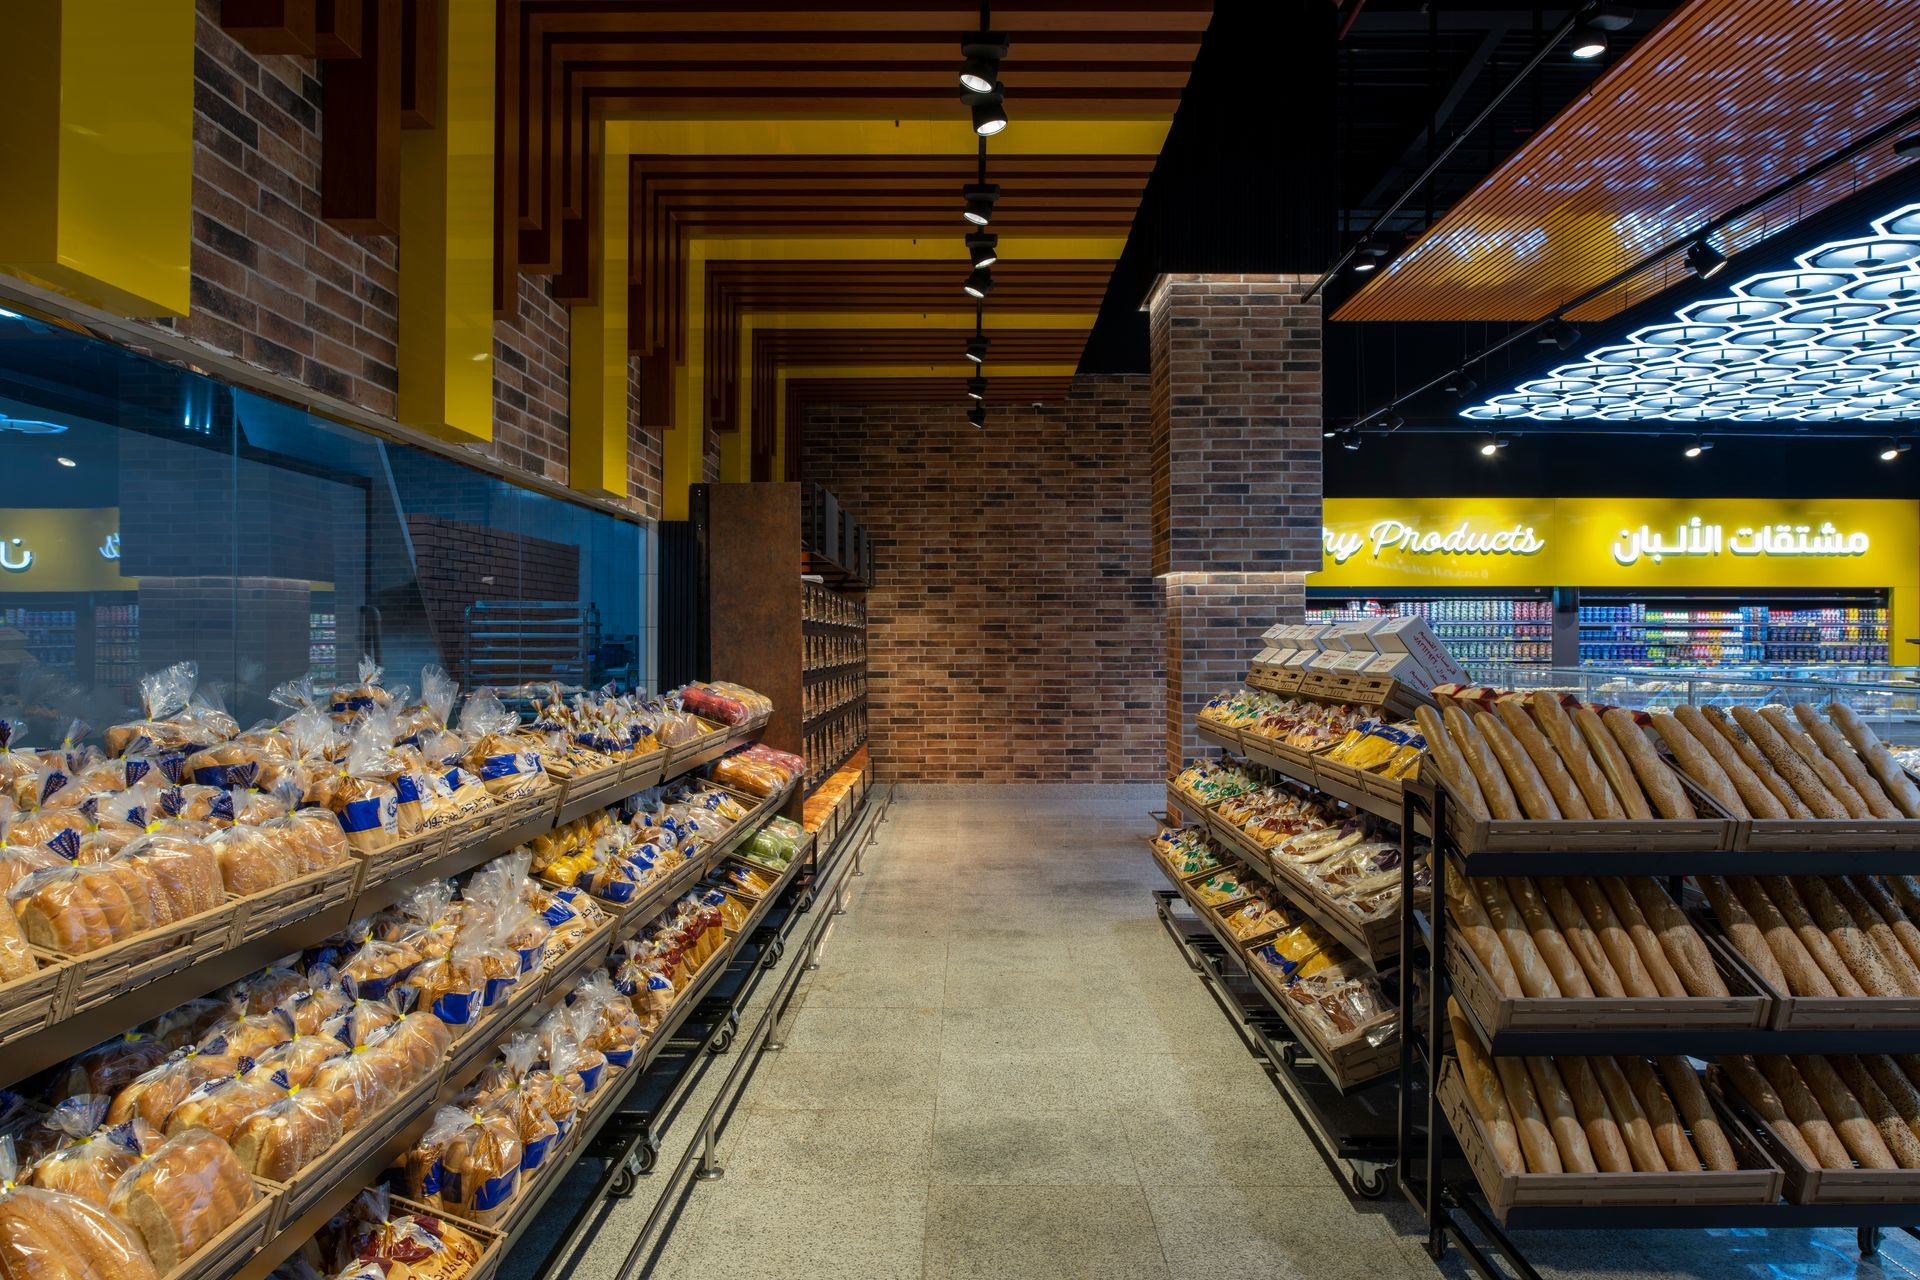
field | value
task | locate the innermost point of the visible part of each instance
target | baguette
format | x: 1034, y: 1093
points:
x: 1471, y: 919
x: 1613, y: 762
x: 1893, y: 779
x: 1804, y: 976
x: 1553, y: 773
x: 1745, y: 935
x: 1780, y: 754
x: 1685, y: 949
x: 1494, y: 788
x: 1879, y: 1111
x: 1547, y: 936
x: 1656, y: 777
x: 1755, y: 759
x: 1530, y: 1125
x: 1536, y: 980
x: 1804, y: 1113
x: 1699, y: 764
x: 1621, y: 953
x: 1581, y: 939
x: 1668, y: 1132
x: 1635, y: 1128
x: 1759, y: 799
x: 1577, y: 757
x: 1452, y: 765
x: 1484, y: 1093
x: 1862, y: 958
x: 1568, y: 1137
x: 1892, y: 911
x: 1604, y: 1138
x: 1826, y: 770
x: 1781, y: 892
x: 1857, y: 1133
x: 1833, y: 745
x: 1528, y: 785
x: 1759, y: 1095
x: 1898, y: 1090
x: 1879, y: 933
x: 1703, y: 1123
x: 1645, y: 940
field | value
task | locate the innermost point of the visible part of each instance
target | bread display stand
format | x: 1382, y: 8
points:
x: 1809, y: 1184
x: 1511, y: 1194
x: 32, y: 1003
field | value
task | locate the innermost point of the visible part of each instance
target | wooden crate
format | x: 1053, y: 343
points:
x: 560, y: 973
x: 714, y: 736
x: 1278, y: 755
x: 1219, y: 734
x: 1366, y: 791
x: 1748, y: 1005
x: 492, y: 1241
x: 312, y: 1184
x: 1756, y: 1181
x: 1711, y: 832
x: 410, y: 856
x: 112, y: 971
x: 1804, y: 1183
x: 1826, y: 833
x: 1350, y: 1064
x: 329, y: 889
x: 243, y: 1237
x: 643, y: 771
x: 41, y: 998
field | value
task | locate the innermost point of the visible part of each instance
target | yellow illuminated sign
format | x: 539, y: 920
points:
x: 61, y: 549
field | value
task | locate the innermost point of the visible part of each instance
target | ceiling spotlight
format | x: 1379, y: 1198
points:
x: 1328, y: 433
x: 1351, y: 440
x: 1369, y: 255
x: 1893, y: 449
x: 989, y: 113
x: 66, y: 462
x: 979, y: 282
x: 984, y: 51
x: 984, y: 248
x: 1590, y: 41
x: 1492, y: 445
x: 1460, y: 383
x: 977, y: 348
x: 1558, y: 334
x: 1699, y: 446
x: 1705, y: 260
x: 1908, y: 148
x: 977, y: 388
x: 981, y: 197
x: 1394, y: 422
x: 977, y: 415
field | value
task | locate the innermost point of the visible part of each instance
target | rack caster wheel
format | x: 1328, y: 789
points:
x: 723, y: 1039
x: 1289, y: 1055
x: 1370, y: 1184
x: 1869, y: 1239
x: 775, y: 950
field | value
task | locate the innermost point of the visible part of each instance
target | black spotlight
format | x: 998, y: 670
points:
x: 1558, y: 334
x: 989, y: 111
x: 984, y: 51
x: 1351, y: 441
x: 977, y: 415
x: 983, y: 248
x: 977, y: 388
x: 979, y: 282
x: 1369, y: 256
x: 1460, y: 383
x: 981, y: 197
x: 1705, y: 260
x: 977, y: 348
x: 1590, y: 40
x: 1394, y: 422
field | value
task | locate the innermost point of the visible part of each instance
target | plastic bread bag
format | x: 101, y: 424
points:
x: 368, y: 1013
x: 271, y: 988
x: 15, y: 761
x: 185, y: 1024
x: 93, y: 1154
x: 77, y: 909
x: 438, y: 693
x: 480, y: 1167
x: 218, y: 1106
x: 108, y: 1066
x: 420, y: 1246
x: 361, y: 793
x: 292, y: 1131
x: 614, y: 1029
x: 710, y: 704
x: 110, y: 823
x: 350, y: 701
x: 318, y: 747
x: 495, y: 752
x: 182, y: 1195
x: 255, y: 800
x: 298, y: 1060
x: 182, y: 874
x: 20, y: 859
x: 506, y: 1088
x: 458, y: 792
x: 427, y: 919
x: 205, y: 722
x: 418, y: 1043
x: 420, y: 1165
x: 566, y: 1033
x: 251, y: 1035
x: 152, y: 1095
x: 453, y: 986
x: 358, y: 1084
x: 215, y: 766
x: 164, y: 694
x: 251, y: 860
x: 54, y: 1235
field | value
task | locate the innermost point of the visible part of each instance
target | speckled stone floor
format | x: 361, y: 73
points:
x: 1003, y: 1069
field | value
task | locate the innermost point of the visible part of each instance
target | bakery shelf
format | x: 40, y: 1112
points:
x: 237, y: 1240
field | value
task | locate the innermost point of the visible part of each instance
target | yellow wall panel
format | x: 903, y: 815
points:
x: 597, y: 396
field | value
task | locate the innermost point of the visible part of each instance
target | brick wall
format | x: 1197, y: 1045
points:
x: 530, y: 383
x: 1236, y: 481
x: 1013, y: 630
x: 459, y: 563
x: 645, y: 457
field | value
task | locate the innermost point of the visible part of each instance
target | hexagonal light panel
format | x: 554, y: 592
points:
x: 1831, y: 340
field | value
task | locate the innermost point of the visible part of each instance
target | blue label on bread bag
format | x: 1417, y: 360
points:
x: 66, y: 844
x: 433, y: 1181
x: 497, y: 989
x: 406, y: 788
x: 367, y: 815
x: 534, y: 1154
x: 457, y: 1008
x: 530, y: 956
x: 619, y: 1059
x: 495, y: 1192
x: 590, y: 1078
x: 506, y: 766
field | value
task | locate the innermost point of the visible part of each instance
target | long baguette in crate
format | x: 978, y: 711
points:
x: 1845, y: 1129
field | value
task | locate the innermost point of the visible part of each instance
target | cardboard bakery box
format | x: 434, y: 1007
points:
x: 1413, y: 636
x: 1355, y: 662
x: 1301, y: 659
x: 1325, y: 660
x: 1357, y: 637
x: 1400, y: 666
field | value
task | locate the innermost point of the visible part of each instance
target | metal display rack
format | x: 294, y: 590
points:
x: 1447, y: 1194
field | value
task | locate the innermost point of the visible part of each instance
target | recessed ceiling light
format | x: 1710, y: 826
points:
x: 1893, y: 449
x: 1699, y: 446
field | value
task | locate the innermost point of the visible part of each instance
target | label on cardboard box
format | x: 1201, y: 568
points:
x: 1355, y: 662
x: 1301, y: 658
x: 1326, y: 660
x: 1400, y: 666
x: 1412, y: 636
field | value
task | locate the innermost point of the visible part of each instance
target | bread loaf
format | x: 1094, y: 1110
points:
x: 1879, y: 1110
x: 1892, y: 778
x: 1635, y: 1129
x: 1529, y: 1122
x: 1528, y: 786
x: 1546, y: 760
x: 1621, y: 952
x: 1547, y: 937
x: 1556, y: 1103
x: 1781, y: 892
x: 1471, y: 919
x: 1668, y: 1133
x: 219, y: 1106
x: 1581, y: 940
x: 1787, y: 762
x: 154, y: 1094
x: 281, y: 1139
x: 1535, y: 979
x: 58, y: 912
x: 1804, y: 976
x: 182, y: 1196
x: 1656, y: 778
x: 1833, y: 745
x: 1645, y: 940
x: 1804, y: 1113
x: 45, y: 1235
x: 1699, y: 764
x: 16, y: 961
x: 1575, y: 755
x: 1896, y: 1088
x: 1760, y: 1095
x: 1826, y: 770
x: 1681, y: 942
x: 1484, y: 1092
x: 1613, y: 762
x: 1856, y: 949
x: 1604, y: 1138
x: 1755, y: 759
x: 1703, y: 1123
x: 1755, y: 794
x: 1451, y: 763
x: 1494, y: 788
x: 1879, y: 933
x: 1741, y: 930
x: 1892, y: 911
x: 1858, y: 1134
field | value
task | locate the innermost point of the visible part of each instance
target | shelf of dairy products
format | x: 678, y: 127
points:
x: 1647, y: 635
x: 1476, y: 631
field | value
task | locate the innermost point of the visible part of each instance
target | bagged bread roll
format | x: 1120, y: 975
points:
x: 298, y: 1060
x: 480, y: 1168
x: 1886, y: 770
x: 219, y: 1106
x: 362, y: 796
x: 288, y: 1134
x: 423, y: 1247
x: 182, y: 1196
x: 251, y: 861
x: 153, y: 1095
x: 55, y: 1236
x: 107, y: 1068
x: 94, y: 1154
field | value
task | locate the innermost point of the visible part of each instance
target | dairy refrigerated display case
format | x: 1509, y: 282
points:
x: 1692, y: 633
x: 1477, y: 630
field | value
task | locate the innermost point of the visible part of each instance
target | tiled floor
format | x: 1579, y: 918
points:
x: 1002, y: 1069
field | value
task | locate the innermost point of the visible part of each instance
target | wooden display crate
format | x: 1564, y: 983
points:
x: 1226, y: 909
x: 681, y: 756
x: 1807, y: 1184
x: 331, y: 889
x: 1377, y: 941
x: 114, y: 970
x: 1711, y: 832
x: 1756, y: 1181
x: 225, y: 1253
x: 644, y: 771
x: 492, y: 1241
x: 560, y: 973
x: 1826, y: 833
x: 1349, y: 1064
x: 1172, y: 872
x: 1274, y: 679
x: 1296, y: 762
x: 1748, y: 1005
x: 1219, y: 734
x: 41, y: 998
x: 415, y: 854
x: 312, y: 1184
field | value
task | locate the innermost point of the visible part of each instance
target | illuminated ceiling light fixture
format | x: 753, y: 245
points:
x: 989, y: 111
x: 1705, y: 260
x: 977, y: 388
x: 979, y: 282
x: 983, y: 248
x: 983, y: 51
x: 1370, y: 256
x: 1329, y: 433
x: 1558, y: 334
x: 981, y: 197
x: 1890, y: 452
x: 1699, y: 446
x: 977, y: 348
x: 977, y: 415
x: 1351, y: 440
x: 1590, y: 41
x: 1492, y: 445
x: 66, y: 462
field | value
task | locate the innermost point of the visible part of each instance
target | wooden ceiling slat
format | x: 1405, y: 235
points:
x: 1725, y: 99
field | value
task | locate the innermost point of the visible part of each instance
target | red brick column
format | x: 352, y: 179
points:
x: 1236, y: 474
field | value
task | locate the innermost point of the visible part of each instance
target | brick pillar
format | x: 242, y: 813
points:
x: 1236, y: 474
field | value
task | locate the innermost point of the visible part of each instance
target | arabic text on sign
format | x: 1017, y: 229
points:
x: 14, y: 556
x: 1695, y: 538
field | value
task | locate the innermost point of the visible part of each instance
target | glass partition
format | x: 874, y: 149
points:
x: 153, y: 515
